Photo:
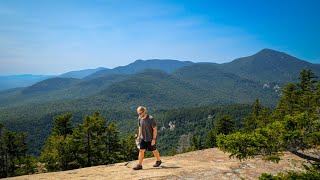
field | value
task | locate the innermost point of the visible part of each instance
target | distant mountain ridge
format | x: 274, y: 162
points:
x: 81, y: 73
x: 165, y: 65
x: 269, y: 66
x: 255, y: 71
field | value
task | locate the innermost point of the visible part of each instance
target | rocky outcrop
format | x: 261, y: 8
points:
x: 203, y: 164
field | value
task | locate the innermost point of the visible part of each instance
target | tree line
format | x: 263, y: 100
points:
x: 92, y: 142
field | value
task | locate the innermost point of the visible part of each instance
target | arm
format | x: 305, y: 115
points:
x: 139, y: 133
x: 155, y: 132
x: 153, y: 142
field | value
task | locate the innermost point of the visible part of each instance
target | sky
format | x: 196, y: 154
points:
x: 57, y: 36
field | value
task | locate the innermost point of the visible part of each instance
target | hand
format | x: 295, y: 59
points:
x: 153, y: 142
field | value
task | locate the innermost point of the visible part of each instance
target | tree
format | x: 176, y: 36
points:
x: 56, y: 152
x: 13, y: 149
x: 306, y: 89
x: 296, y: 127
x: 289, y: 102
x: 90, y: 134
x: 211, y: 139
x: 225, y: 125
x: 91, y: 142
x: 62, y: 125
x: 259, y: 117
x: 196, y: 143
x: 128, y: 148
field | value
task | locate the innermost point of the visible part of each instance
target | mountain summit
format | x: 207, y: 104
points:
x: 269, y: 66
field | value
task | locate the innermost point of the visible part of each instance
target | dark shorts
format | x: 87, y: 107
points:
x: 147, y: 146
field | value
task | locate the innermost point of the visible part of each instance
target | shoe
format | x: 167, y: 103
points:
x: 157, y: 164
x: 138, y: 167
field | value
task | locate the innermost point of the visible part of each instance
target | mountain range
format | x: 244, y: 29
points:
x: 158, y: 84
x: 17, y: 81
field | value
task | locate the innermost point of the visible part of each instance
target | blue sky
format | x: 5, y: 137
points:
x: 56, y: 36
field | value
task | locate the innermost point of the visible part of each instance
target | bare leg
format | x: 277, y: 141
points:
x: 141, y: 156
x: 156, y: 154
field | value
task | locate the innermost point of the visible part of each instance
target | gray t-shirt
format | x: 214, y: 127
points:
x: 147, y: 126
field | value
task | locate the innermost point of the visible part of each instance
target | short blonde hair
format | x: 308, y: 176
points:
x: 141, y: 108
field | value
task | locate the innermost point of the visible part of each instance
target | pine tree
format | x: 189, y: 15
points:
x: 289, y: 101
x: 306, y: 90
x: 128, y: 148
x: 112, y: 143
x: 296, y: 127
x: 259, y: 117
x: 15, y: 149
x: 224, y: 125
x: 62, y: 125
x: 56, y: 152
x: 90, y: 131
x: 211, y: 139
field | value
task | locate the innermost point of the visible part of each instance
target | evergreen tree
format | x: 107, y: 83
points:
x: 306, y: 90
x: 288, y: 102
x: 90, y: 133
x: 224, y: 125
x: 259, y: 117
x: 112, y: 143
x: 196, y: 143
x: 128, y: 148
x: 56, y: 152
x: 297, y: 127
x: 62, y: 125
x: 13, y: 152
x: 211, y: 139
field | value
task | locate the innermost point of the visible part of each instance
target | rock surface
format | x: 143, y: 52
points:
x: 203, y: 164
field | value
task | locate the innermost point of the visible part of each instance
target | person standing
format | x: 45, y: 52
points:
x: 147, y: 137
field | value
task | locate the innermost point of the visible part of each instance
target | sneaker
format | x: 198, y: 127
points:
x: 157, y: 164
x: 138, y: 167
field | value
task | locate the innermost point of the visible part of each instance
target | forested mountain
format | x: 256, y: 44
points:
x: 158, y: 84
x: 269, y: 66
x: 81, y: 73
x: 165, y: 65
x: 56, y: 89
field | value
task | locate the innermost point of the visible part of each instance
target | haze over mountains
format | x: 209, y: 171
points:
x: 158, y: 84
x: 266, y: 65
x: 14, y: 81
x: 173, y: 83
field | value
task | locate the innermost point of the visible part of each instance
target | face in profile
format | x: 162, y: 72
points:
x: 141, y: 113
